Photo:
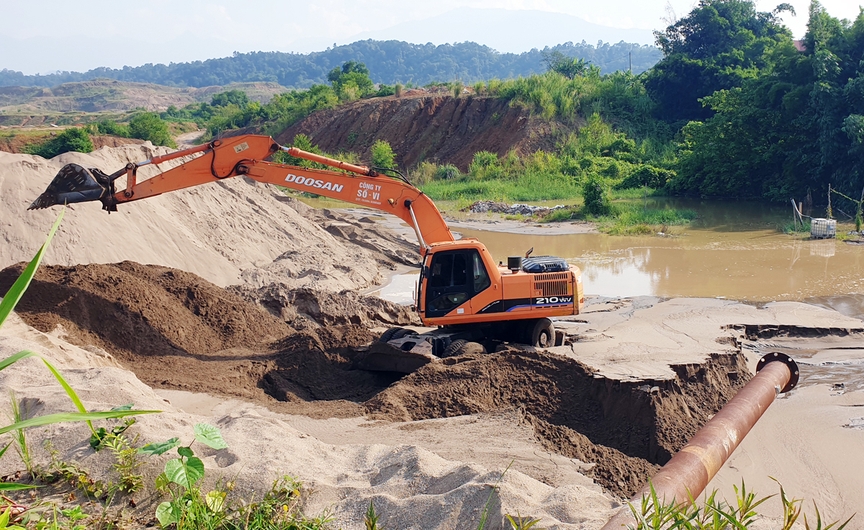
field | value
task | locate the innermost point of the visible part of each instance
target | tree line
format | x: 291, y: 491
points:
x: 390, y: 61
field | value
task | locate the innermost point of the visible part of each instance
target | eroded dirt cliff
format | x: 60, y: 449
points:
x: 426, y: 126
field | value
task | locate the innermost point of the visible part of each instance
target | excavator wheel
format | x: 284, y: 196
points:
x: 393, y: 333
x: 461, y: 347
x: 543, y: 334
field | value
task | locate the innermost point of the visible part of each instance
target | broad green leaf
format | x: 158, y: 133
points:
x: 14, y: 486
x: 127, y: 406
x: 62, y: 417
x: 166, y: 514
x: 185, y: 451
x: 209, y: 436
x: 186, y: 473
x: 10, y: 300
x: 97, y: 438
x: 159, y: 448
x: 162, y: 482
x: 215, y: 500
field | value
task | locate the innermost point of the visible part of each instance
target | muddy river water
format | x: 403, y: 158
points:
x: 732, y: 251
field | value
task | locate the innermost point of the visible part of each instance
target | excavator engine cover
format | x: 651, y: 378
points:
x: 74, y: 183
x: 544, y: 264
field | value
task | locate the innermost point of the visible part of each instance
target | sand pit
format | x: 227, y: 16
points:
x: 194, y: 336
x: 271, y: 362
x: 177, y: 331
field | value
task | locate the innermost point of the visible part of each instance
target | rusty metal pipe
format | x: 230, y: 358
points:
x: 687, y: 474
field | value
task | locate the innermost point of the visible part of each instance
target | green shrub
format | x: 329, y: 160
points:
x: 447, y: 172
x: 595, y: 193
x: 382, y: 155
x: 485, y: 165
x: 149, y: 126
x: 72, y: 139
x: 113, y: 128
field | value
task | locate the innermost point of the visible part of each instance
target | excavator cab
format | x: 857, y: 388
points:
x: 454, y: 277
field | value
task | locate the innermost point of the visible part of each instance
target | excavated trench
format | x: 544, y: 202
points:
x: 175, y: 330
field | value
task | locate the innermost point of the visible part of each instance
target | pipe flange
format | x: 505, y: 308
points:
x: 783, y: 358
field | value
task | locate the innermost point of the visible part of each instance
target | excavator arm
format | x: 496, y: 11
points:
x: 247, y: 155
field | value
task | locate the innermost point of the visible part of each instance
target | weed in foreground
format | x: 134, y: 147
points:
x: 19, y: 436
x: 370, y: 518
x: 653, y: 514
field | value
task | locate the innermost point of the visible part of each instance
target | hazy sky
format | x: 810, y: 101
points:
x: 42, y: 36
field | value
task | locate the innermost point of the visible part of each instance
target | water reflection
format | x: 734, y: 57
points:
x: 733, y: 250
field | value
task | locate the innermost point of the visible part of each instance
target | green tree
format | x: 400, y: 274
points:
x: 352, y: 81
x: 149, y: 126
x: 231, y: 97
x: 569, y: 67
x: 787, y: 132
x: 717, y: 46
x: 382, y: 155
x: 72, y: 139
x: 595, y: 193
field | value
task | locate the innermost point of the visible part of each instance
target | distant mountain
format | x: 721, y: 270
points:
x: 389, y: 62
x: 506, y: 30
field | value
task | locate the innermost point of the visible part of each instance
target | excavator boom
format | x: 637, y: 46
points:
x: 247, y: 156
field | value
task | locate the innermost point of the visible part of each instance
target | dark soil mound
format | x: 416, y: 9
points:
x: 622, y: 427
x: 176, y: 330
x: 300, y: 307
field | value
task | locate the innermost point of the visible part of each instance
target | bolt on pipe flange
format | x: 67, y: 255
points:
x: 783, y: 358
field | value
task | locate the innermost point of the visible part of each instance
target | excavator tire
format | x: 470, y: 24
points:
x: 391, y: 334
x: 401, y: 333
x: 543, y: 334
x: 454, y: 348
x: 461, y: 347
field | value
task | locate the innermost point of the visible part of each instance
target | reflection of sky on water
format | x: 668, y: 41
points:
x: 621, y: 273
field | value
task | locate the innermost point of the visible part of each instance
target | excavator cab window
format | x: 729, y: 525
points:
x: 454, y: 277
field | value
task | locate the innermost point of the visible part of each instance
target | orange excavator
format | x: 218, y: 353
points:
x: 474, y: 303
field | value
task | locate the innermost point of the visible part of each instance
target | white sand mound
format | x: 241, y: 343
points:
x: 223, y: 231
x: 410, y: 486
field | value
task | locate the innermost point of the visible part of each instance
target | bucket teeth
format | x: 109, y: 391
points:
x: 72, y: 184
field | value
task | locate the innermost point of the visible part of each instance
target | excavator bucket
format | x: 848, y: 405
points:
x: 72, y: 184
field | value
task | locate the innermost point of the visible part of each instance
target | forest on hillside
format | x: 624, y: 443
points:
x: 389, y: 61
x: 734, y: 109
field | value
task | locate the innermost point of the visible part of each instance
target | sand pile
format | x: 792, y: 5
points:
x: 227, y: 232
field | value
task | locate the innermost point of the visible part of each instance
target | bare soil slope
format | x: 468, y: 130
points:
x: 426, y: 126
